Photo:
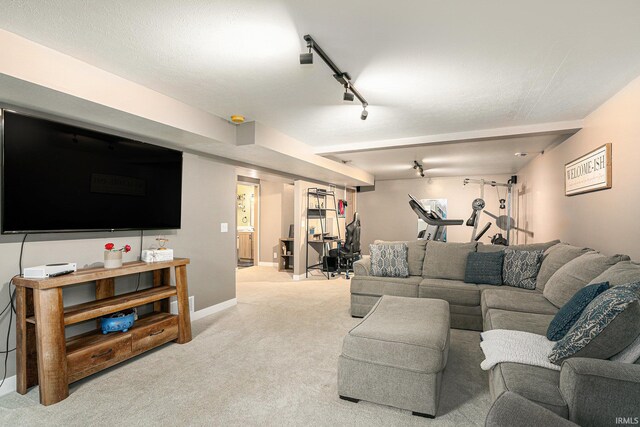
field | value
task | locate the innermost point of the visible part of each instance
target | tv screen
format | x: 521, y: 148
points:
x: 57, y: 177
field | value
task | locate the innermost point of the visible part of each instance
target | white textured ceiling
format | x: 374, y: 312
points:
x: 426, y: 67
x: 473, y: 158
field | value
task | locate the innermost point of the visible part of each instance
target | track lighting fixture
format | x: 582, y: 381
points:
x: 418, y: 168
x: 350, y: 92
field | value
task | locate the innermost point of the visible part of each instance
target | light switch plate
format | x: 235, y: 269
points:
x: 224, y: 227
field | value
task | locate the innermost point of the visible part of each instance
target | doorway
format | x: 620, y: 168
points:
x: 247, y: 236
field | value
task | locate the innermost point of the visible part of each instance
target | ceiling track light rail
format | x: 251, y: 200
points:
x: 342, y: 77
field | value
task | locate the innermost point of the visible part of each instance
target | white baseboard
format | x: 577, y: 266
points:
x: 9, y: 385
x: 298, y: 276
x: 196, y: 315
x: 267, y: 264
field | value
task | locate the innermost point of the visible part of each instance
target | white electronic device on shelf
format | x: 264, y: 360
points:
x: 49, y: 270
x: 157, y: 255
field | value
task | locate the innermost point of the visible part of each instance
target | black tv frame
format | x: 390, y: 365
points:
x: 81, y: 125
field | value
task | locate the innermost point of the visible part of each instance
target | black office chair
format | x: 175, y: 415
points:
x: 350, y: 250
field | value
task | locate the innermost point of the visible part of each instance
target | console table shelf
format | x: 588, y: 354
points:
x: 44, y: 357
x: 102, y: 307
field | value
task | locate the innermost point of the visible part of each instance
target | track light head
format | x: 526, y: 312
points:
x: 348, y: 96
x: 306, y: 58
x: 365, y: 113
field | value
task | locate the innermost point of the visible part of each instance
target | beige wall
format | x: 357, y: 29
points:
x: 287, y: 209
x: 385, y: 212
x: 606, y: 220
x: 276, y: 213
x: 208, y: 199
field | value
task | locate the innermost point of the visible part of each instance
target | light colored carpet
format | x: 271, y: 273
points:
x: 271, y: 360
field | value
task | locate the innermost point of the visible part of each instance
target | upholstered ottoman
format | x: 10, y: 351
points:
x: 396, y: 355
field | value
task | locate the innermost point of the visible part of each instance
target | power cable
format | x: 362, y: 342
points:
x: 13, y: 310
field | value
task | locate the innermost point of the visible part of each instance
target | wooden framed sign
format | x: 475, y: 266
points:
x: 591, y: 172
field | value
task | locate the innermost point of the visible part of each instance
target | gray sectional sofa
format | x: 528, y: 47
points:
x: 438, y: 276
x: 586, y: 391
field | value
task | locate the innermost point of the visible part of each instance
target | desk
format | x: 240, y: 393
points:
x: 45, y: 357
x: 323, y: 247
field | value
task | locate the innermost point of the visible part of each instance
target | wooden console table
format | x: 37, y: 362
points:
x: 45, y: 357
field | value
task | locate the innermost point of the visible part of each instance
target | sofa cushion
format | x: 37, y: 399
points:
x: 630, y: 354
x: 620, y: 274
x: 517, y: 321
x: 362, y: 267
x: 407, y: 333
x: 554, y: 258
x: 389, y: 260
x: 577, y: 273
x: 539, y: 385
x: 484, y: 268
x: 446, y: 260
x: 415, y: 255
x: 520, y: 268
x: 525, y: 247
x: 514, y: 299
x: 453, y: 291
x: 535, y: 246
x: 607, y: 326
x: 378, y: 286
x: 567, y: 316
x: 482, y: 248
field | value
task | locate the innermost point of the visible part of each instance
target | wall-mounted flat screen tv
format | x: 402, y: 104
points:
x: 60, y: 178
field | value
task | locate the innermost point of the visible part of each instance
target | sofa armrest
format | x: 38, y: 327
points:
x: 598, y: 392
x: 362, y: 267
x: 511, y: 409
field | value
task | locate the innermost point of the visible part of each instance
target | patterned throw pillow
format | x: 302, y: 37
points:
x: 571, y: 311
x: 608, y: 324
x: 520, y: 268
x: 484, y: 267
x: 389, y: 260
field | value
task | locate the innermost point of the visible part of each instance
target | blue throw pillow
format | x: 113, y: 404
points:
x: 609, y: 324
x: 484, y: 267
x: 571, y: 311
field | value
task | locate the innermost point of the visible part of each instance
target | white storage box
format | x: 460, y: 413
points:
x: 156, y: 255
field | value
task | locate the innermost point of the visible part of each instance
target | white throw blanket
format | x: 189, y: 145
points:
x: 501, y: 345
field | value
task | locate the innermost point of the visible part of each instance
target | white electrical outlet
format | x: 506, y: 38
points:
x: 224, y: 227
x: 275, y: 255
x: 173, y: 307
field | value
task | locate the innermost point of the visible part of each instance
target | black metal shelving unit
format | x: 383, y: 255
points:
x: 317, y: 209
